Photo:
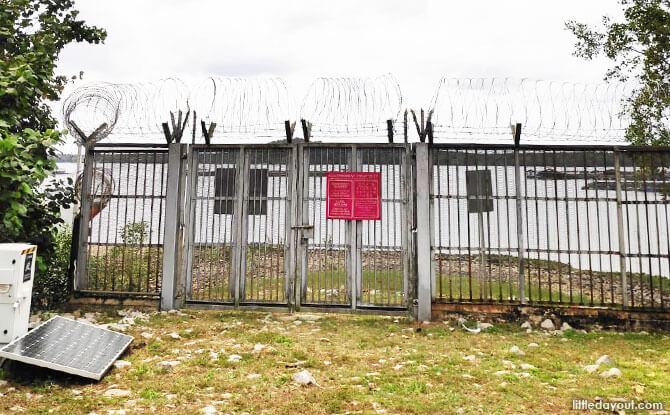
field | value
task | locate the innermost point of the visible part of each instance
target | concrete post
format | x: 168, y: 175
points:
x: 424, y: 252
x: 81, y: 279
x: 173, y: 213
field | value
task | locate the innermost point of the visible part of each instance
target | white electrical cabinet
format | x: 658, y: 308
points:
x: 17, y: 270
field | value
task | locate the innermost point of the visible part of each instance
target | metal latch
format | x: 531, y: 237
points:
x: 306, y: 231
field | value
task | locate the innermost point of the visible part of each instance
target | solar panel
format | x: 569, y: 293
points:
x: 69, y: 346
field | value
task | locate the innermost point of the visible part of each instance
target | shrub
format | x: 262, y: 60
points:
x: 50, y: 288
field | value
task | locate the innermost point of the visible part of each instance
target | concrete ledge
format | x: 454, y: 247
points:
x: 578, y: 317
x: 137, y: 303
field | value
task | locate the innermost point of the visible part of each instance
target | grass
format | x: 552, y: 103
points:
x: 363, y: 364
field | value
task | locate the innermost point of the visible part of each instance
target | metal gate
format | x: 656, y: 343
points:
x: 354, y: 264
x: 238, y: 220
x: 248, y: 243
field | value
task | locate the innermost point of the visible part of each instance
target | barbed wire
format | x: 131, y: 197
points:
x: 484, y: 108
x: 352, y: 107
x: 239, y: 107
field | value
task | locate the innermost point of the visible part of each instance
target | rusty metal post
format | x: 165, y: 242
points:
x: 619, y: 215
x: 519, y: 214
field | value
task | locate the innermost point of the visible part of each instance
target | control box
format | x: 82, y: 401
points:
x: 17, y: 271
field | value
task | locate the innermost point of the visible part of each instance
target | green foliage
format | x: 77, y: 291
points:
x: 50, y: 287
x: 32, y: 35
x: 640, y: 48
x: 127, y: 267
x: 134, y: 233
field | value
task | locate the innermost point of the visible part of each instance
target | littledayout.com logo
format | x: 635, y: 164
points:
x: 600, y: 405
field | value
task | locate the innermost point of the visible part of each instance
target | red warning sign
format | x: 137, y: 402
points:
x: 353, y: 196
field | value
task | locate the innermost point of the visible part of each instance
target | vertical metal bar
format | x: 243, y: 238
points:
x: 579, y: 241
x: 588, y: 224
x: 546, y: 224
x: 528, y: 219
x: 406, y: 236
x: 189, y: 225
x: 519, y: 217
x: 449, y: 232
x: 304, y: 216
x: 559, y: 268
x: 291, y: 213
x: 407, y: 210
x: 437, y: 171
x: 619, y: 213
x: 467, y: 221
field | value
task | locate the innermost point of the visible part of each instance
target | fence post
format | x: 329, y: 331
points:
x: 619, y: 216
x: 424, y: 254
x: 81, y: 279
x: 173, y: 231
x: 519, y: 214
x: 239, y: 251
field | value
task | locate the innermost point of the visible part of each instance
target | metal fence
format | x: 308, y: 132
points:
x: 589, y: 223
x: 121, y: 249
x: 246, y: 225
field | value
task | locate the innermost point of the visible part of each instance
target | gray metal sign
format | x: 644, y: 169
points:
x: 479, y: 190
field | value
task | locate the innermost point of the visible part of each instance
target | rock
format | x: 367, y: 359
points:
x: 208, y: 410
x: 470, y: 358
x: 526, y: 366
x: 309, y: 317
x: 501, y: 372
x: 115, y: 326
x: 468, y: 376
x: 564, y: 339
x: 120, y: 364
x: 591, y: 368
x: 258, y: 347
x: 3, y: 383
x: 147, y: 335
x: 547, y: 324
x: 515, y: 350
x: 612, y: 373
x: 484, y: 326
x: 533, y: 345
x: 324, y: 340
x: 226, y: 395
x: 605, y: 360
x: 508, y: 365
x: 565, y: 326
x: 297, y: 322
x: 524, y: 375
x: 253, y: 376
x: 174, y: 336
x: 304, y: 378
x: 234, y: 358
x: 168, y: 365
x: 116, y: 393
x: 643, y: 333
x: 526, y: 325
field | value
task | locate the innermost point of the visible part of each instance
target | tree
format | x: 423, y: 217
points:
x: 640, y: 49
x: 32, y: 35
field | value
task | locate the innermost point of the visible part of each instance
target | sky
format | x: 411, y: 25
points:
x: 417, y: 41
